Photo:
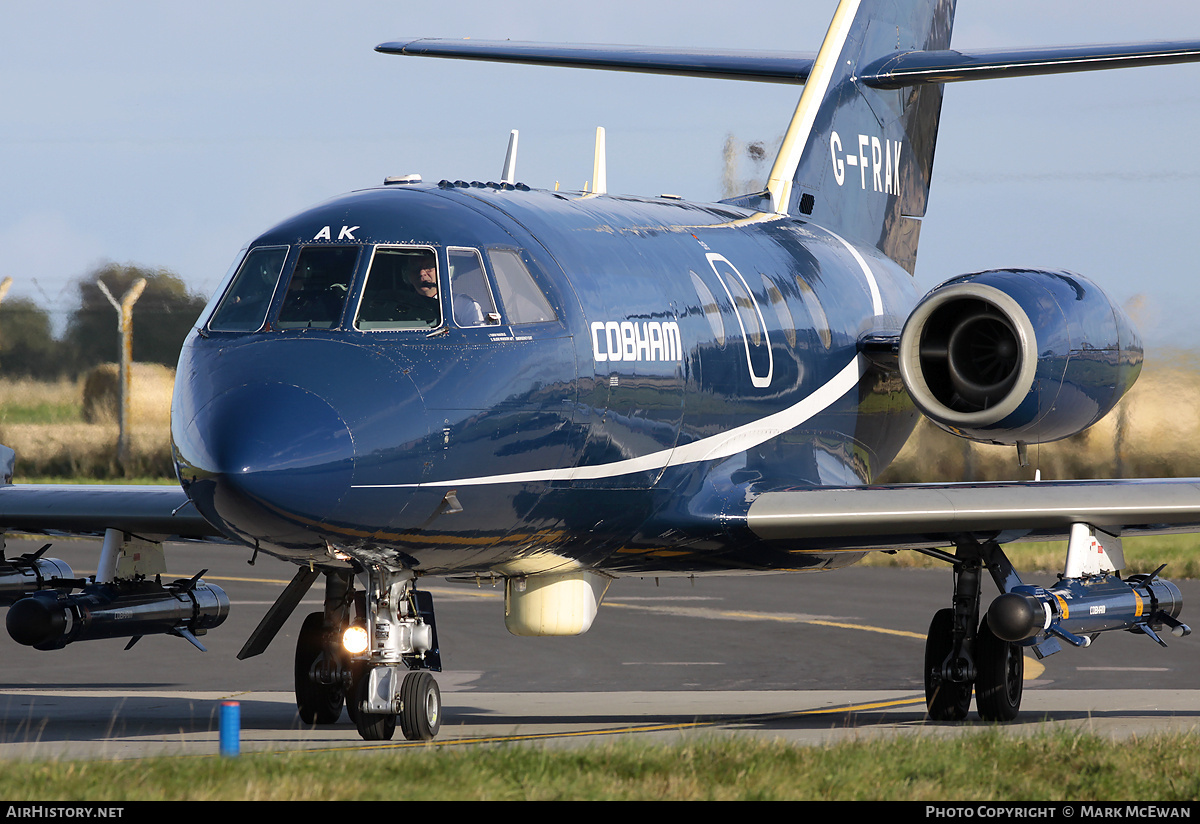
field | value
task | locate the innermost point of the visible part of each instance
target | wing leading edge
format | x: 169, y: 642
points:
x: 890, y: 517
x: 85, y: 509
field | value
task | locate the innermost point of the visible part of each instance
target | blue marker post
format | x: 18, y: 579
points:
x: 231, y: 728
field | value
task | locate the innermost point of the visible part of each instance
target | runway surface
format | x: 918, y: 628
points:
x: 808, y: 658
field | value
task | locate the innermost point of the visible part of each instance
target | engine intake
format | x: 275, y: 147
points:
x: 1018, y: 355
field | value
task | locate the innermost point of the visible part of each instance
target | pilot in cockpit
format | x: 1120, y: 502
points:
x: 420, y: 272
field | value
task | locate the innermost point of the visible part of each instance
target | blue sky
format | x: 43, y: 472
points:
x: 169, y: 134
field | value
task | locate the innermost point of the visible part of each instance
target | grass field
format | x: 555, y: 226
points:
x: 981, y: 767
x: 1154, y: 432
x: 46, y: 425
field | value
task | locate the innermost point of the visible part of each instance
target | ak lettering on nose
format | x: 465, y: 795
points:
x: 346, y: 233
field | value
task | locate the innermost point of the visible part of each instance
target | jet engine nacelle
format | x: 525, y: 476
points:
x: 1009, y: 356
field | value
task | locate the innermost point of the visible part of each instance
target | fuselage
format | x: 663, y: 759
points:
x: 599, y: 382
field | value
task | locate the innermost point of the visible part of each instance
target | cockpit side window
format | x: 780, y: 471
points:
x: 317, y: 291
x: 472, y: 301
x: 523, y: 300
x: 244, y: 307
x: 401, y: 291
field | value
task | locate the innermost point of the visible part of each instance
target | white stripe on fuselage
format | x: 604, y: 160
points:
x: 872, y: 284
x: 712, y: 448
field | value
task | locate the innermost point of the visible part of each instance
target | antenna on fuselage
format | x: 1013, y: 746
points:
x: 509, y: 175
x: 599, y: 166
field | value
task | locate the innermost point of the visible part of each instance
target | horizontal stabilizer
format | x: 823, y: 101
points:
x: 898, y: 69
x: 950, y: 66
x: 723, y: 64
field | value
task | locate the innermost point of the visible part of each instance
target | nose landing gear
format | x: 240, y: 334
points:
x: 383, y: 680
x: 391, y: 679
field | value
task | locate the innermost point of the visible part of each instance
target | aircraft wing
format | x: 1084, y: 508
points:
x: 87, y: 509
x: 922, y: 515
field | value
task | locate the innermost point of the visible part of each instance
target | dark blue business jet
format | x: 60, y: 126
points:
x: 556, y: 389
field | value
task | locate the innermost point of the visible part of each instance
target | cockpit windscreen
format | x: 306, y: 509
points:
x: 244, y: 308
x: 401, y: 291
x: 317, y: 292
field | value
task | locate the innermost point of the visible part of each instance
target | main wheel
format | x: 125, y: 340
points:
x: 945, y: 700
x: 372, y: 726
x: 420, y: 707
x: 318, y: 703
x: 1001, y: 678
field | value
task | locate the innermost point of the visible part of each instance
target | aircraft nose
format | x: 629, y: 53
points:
x: 267, y: 457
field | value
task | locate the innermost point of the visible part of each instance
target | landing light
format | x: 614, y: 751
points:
x: 354, y: 639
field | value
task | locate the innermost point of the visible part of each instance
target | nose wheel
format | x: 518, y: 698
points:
x: 372, y: 726
x: 420, y: 707
x: 420, y: 715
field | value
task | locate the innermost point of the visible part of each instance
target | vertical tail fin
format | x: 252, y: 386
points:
x: 858, y: 159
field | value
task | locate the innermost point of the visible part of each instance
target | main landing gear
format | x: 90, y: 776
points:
x: 962, y: 653
x: 1089, y: 598
x: 371, y: 651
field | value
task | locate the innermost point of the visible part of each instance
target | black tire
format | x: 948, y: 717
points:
x: 352, y: 699
x: 317, y: 703
x: 945, y: 700
x: 372, y: 726
x: 1001, y: 679
x: 420, y: 707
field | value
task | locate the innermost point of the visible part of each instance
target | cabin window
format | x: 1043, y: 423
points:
x: 781, y: 310
x: 744, y: 303
x: 712, y: 312
x: 813, y: 304
x: 317, y: 292
x: 401, y: 291
x: 523, y: 300
x: 244, y: 307
x: 471, y: 299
